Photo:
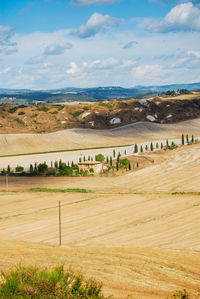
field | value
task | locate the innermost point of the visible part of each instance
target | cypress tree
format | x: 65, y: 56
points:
x: 161, y: 146
x: 31, y: 168
x: 141, y: 149
x: 60, y: 164
x: 129, y: 166
x: 107, y: 159
x: 187, y: 138
x: 91, y: 158
x: 157, y: 145
x: 117, y: 166
x: 136, y: 148
x: 137, y: 165
x: 151, y: 146
x: 84, y: 159
x: 125, y: 152
x: 111, y: 162
x: 183, y: 139
x: 192, y: 140
x: 146, y: 147
x: 80, y: 160
x: 88, y: 158
x: 56, y: 164
x: 113, y: 153
x: 167, y: 143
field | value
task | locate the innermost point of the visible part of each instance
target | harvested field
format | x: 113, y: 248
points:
x: 84, y: 138
x: 138, y: 232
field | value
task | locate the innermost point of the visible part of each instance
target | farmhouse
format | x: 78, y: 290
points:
x: 90, y: 166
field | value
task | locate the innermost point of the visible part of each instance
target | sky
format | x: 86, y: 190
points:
x: 51, y: 44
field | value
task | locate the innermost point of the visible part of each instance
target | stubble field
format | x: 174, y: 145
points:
x: 138, y: 232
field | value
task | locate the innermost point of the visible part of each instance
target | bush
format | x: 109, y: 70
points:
x: 21, y: 113
x: 32, y: 282
x: 76, y: 113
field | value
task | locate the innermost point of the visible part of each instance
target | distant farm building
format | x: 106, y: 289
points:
x: 90, y: 166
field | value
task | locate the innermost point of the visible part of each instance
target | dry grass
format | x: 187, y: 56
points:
x: 138, y: 233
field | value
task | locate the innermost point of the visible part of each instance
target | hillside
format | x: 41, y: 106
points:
x: 99, y: 115
x: 138, y: 233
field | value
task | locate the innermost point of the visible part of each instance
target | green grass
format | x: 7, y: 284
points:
x: 68, y: 150
x: 34, y: 283
x: 60, y: 190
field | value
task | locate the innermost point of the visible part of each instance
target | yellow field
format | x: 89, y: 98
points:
x: 139, y: 232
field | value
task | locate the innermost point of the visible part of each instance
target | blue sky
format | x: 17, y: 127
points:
x: 47, y: 44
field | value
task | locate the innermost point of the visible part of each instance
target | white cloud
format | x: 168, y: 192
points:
x: 73, y: 68
x: 92, y: 2
x: 182, y: 17
x: 57, y: 49
x: 95, y: 24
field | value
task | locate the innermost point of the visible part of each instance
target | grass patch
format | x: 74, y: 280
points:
x: 32, y: 282
x: 76, y: 113
x: 19, y: 121
x: 60, y: 190
x: 68, y: 150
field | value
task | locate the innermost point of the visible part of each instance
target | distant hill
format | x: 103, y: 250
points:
x: 26, y: 96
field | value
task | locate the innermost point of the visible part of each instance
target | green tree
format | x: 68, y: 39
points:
x: 151, y: 146
x: 100, y: 158
x: 31, y: 169
x: 107, y: 159
x: 124, y: 162
x: 157, y: 145
x: 183, y: 139
x: 42, y: 168
x: 141, y: 149
x: 80, y: 160
x: 111, y: 162
x: 88, y: 158
x: 8, y: 169
x: 146, y: 147
x: 125, y: 152
x: 192, y: 139
x: 19, y: 169
x: 56, y: 164
x: 187, y: 138
x: 167, y: 143
x: 113, y: 153
x: 117, y: 166
x: 161, y: 146
x: 129, y: 166
x: 84, y: 159
x: 136, y: 148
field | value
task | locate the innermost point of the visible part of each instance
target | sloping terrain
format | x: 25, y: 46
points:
x: 84, y: 138
x: 139, y: 232
x: 100, y: 115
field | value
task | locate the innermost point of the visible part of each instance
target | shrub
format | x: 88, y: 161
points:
x: 19, y: 121
x: 76, y: 113
x: 32, y: 282
x: 19, y: 169
x: 21, y: 113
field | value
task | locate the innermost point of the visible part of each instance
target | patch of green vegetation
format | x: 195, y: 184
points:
x: 34, y: 115
x: 76, y: 113
x: 68, y: 150
x: 43, y: 108
x: 107, y: 105
x: 32, y: 282
x: 85, y: 108
x: 21, y: 113
x: 19, y: 121
x: 1, y: 125
x: 60, y: 190
x: 12, y: 110
x: 54, y: 112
